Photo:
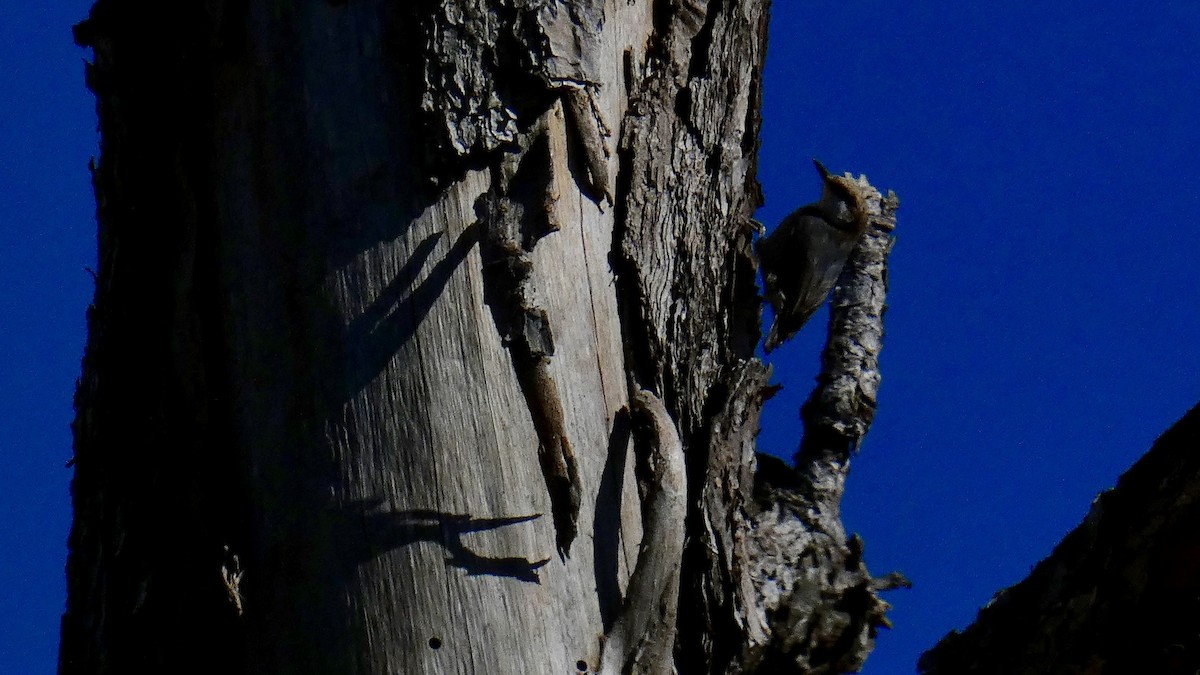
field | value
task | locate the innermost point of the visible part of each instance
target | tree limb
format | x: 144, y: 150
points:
x: 816, y: 599
x: 643, y: 637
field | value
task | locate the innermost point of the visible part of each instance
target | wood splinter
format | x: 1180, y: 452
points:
x: 589, y: 131
x: 516, y: 214
x: 555, y: 454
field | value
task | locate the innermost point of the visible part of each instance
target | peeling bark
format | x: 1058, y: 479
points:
x: 377, y: 280
x: 516, y: 213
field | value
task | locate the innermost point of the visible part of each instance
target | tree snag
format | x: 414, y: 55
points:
x: 381, y: 287
x: 816, y: 604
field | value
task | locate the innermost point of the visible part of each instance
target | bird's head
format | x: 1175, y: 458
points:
x: 842, y: 201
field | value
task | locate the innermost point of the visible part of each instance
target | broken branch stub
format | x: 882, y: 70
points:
x: 841, y: 408
x: 816, y: 600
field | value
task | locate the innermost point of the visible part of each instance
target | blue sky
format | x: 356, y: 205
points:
x: 1043, y: 321
x: 47, y: 237
x: 1042, y: 327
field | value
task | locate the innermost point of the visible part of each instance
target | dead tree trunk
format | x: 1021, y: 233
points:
x: 423, y: 333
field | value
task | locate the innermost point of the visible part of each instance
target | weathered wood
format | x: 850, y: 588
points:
x: 643, y: 637
x: 385, y: 492
x: 377, y: 280
x: 841, y: 408
x: 432, y: 418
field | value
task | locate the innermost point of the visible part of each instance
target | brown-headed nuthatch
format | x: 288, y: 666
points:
x: 802, y: 259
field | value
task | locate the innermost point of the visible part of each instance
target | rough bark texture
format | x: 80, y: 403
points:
x: 815, y: 607
x: 1119, y: 595
x: 685, y: 196
x: 377, y: 281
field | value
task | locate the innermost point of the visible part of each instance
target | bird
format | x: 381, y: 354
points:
x: 802, y: 259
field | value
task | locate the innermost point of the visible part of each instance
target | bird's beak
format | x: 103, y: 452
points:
x: 821, y: 169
